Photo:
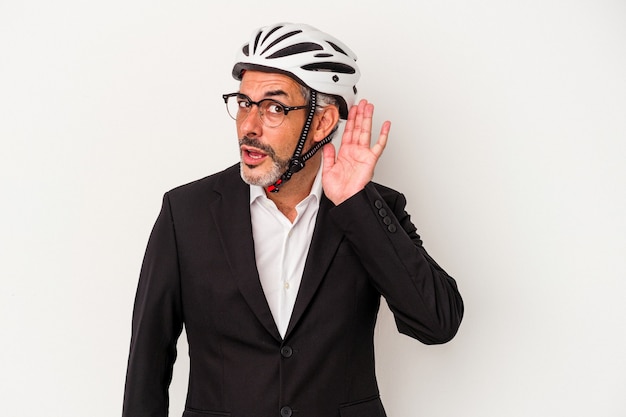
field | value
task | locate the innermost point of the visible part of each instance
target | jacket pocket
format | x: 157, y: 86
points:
x: 370, y: 407
x: 202, y: 413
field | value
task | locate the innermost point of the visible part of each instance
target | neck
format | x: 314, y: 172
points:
x: 296, y: 189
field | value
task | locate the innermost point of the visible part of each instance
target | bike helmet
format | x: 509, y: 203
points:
x: 313, y: 58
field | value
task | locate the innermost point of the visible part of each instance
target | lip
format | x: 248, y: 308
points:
x: 252, y: 156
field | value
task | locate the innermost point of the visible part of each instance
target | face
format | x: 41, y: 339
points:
x: 265, y: 151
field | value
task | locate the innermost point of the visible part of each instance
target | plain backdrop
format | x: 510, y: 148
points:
x: 508, y: 140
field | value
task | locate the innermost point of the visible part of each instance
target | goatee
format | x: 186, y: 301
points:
x: 262, y: 179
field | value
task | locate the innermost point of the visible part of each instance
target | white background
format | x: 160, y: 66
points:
x: 508, y: 139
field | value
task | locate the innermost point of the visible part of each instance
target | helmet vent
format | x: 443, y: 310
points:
x: 282, y: 38
x: 298, y: 48
x: 269, y: 34
x: 336, y: 48
x: 256, y: 42
x: 329, y: 67
x: 246, y: 49
x: 323, y: 55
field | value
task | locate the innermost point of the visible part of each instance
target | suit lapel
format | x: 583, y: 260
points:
x: 324, y: 244
x: 231, y: 213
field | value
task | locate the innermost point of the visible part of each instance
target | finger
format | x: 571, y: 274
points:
x: 380, y: 144
x: 365, y: 132
x: 328, y: 155
x: 359, y: 121
x: 349, y: 128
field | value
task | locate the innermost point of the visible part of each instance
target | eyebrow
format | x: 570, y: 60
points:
x: 274, y: 93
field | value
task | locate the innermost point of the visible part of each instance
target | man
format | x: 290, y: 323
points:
x: 276, y: 265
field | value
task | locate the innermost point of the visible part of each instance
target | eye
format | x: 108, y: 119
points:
x: 243, y: 103
x: 275, y: 108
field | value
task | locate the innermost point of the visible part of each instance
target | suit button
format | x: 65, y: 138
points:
x: 286, y: 412
x: 286, y: 351
x: 392, y: 228
x: 382, y: 212
x: 387, y: 221
x: 378, y: 204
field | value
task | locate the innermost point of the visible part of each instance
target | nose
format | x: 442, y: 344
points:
x: 250, y: 124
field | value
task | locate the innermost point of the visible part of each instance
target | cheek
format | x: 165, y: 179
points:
x: 239, y: 130
x: 283, y: 141
x: 291, y: 136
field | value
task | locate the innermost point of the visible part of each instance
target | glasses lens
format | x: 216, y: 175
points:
x: 233, y: 106
x: 272, y: 113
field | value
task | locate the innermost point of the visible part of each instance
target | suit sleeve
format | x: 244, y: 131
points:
x: 424, y: 299
x: 156, y: 325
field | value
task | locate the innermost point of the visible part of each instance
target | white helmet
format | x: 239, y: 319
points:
x: 313, y: 58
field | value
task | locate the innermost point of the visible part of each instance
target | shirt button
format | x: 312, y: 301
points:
x: 286, y: 412
x: 286, y: 285
x: 286, y: 351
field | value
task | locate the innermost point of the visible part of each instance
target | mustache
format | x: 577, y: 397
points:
x: 257, y: 144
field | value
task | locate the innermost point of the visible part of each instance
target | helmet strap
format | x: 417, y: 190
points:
x: 297, y: 161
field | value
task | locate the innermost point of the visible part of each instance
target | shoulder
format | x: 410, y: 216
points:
x: 209, y: 186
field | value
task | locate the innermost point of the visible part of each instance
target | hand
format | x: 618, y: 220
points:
x: 353, y: 167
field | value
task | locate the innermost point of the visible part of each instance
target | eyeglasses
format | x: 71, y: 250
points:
x: 271, y: 112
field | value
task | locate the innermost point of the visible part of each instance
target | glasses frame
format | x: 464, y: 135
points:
x: 286, y: 109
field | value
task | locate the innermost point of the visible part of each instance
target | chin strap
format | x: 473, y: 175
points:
x: 297, y: 161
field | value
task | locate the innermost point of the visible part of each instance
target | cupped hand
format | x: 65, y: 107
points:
x: 347, y: 171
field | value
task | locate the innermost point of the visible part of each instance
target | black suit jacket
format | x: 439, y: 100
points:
x: 199, y: 269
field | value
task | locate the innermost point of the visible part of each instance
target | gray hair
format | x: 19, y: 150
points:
x: 323, y: 100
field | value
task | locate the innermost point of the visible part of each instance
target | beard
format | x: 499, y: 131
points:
x: 254, y: 175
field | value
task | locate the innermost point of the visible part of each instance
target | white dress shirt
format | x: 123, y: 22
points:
x: 281, y: 248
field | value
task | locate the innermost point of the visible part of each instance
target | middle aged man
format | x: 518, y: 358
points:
x: 276, y: 265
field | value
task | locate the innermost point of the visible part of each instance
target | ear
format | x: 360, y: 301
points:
x: 324, y: 122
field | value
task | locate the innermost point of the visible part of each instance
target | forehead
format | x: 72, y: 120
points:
x: 258, y: 84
